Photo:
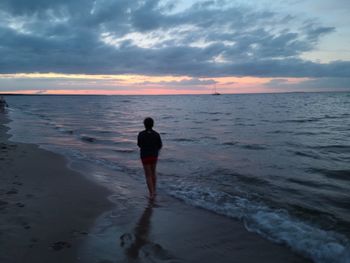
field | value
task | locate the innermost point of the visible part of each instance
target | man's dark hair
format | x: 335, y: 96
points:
x: 148, y: 122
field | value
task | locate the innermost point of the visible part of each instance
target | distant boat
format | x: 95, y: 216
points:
x: 215, y: 92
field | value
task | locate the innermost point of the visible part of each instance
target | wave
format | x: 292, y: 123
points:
x: 245, y: 124
x: 63, y: 130
x: 306, y: 133
x: 211, y: 113
x: 279, y: 132
x: 229, y: 143
x: 334, y: 117
x: 172, y: 160
x: 167, y: 117
x: 337, y: 148
x: 207, y: 138
x: 105, y: 132
x: 88, y: 139
x: 341, y: 174
x: 300, y: 120
x: 314, y: 119
x: 276, y: 225
x: 74, y: 155
x: 312, y: 184
x: 183, y: 140
x: 67, y: 131
x: 307, y: 154
x: 253, y: 147
x: 124, y: 150
x: 245, y: 146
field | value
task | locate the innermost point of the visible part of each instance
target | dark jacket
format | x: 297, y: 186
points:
x: 149, y: 142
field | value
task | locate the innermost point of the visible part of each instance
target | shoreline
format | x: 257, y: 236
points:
x: 47, y: 209
x: 68, y: 218
x: 172, y: 231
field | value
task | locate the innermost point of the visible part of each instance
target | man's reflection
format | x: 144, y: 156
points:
x: 141, y: 232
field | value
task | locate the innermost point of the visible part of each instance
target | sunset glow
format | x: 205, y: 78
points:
x: 141, y: 84
x: 166, y: 47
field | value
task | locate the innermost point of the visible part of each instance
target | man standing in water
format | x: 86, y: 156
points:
x: 150, y: 143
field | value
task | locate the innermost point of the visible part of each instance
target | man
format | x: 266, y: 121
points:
x: 150, y: 143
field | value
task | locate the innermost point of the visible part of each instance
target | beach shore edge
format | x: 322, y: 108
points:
x: 47, y: 209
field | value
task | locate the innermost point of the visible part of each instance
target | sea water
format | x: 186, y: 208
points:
x: 278, y: 162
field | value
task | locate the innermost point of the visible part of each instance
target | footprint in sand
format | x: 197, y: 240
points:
x: 5, y: 147
x: 59, y: 245
x: 12, y: 192
x: 26, y: 225
x: 3, y: 204
x: 33, y: 242
x: 77, y: 233
x: 126, y: 239
x: 156, y: 251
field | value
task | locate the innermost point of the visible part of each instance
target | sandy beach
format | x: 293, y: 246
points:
x: 50, y: 213
x: 45, y: 207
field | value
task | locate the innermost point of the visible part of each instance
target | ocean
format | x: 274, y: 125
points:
x: 280, y: 163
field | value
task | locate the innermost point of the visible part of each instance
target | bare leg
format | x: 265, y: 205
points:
x: 154, y: 176
x: 149, y: 179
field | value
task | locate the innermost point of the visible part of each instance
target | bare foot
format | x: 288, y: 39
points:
x: 152, y: 196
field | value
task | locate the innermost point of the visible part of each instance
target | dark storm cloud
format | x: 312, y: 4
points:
x: 208, y: 39
x: 21, y: 7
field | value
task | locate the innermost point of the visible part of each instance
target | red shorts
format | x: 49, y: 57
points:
x: 149, y: 160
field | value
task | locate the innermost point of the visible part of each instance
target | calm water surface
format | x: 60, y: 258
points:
x: 278, y: 162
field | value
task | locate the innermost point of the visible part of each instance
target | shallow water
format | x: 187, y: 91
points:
x: 279, y: 162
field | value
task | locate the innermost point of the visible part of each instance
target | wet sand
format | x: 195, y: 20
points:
x: 168, y: 230
x: 46, y: 209
x: 50, y: 213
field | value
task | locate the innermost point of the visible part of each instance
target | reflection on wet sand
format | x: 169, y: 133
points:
x: 141, y: 232
x: 138, y: 246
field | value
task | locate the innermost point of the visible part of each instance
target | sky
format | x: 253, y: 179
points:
x: 174, y: 46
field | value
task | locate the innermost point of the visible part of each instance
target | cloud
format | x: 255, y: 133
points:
x: 41, y: 92
x: 188, y: 84
x: 208, y: 39
x: 314, y: 84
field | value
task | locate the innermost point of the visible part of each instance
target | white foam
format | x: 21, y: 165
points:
x: 276, y: 225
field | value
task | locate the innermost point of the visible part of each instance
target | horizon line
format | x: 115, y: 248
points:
x: 170, y: 94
